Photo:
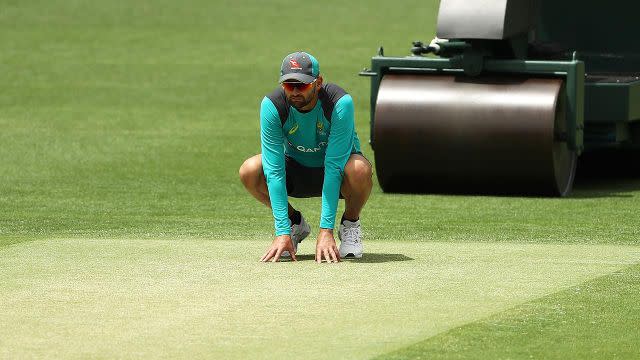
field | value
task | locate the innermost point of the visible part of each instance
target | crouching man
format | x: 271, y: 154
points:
x: 309, y: 149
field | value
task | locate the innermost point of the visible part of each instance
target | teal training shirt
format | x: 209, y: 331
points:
x: 325, y: 137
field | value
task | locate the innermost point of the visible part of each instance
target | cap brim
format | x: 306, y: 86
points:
x: 307, y: 79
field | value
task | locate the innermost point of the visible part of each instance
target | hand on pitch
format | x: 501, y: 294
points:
x: 326, y: 247
x: 280, y: 244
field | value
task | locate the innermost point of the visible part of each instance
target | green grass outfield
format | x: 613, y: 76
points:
x: 125, y: 233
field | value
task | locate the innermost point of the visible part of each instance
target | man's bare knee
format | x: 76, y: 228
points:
x: 250, y: 171
x: 358, y: 177
x: 359, y: 171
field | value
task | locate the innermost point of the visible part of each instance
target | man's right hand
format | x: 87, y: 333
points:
x: 326, y: 247
x: 280, y: 244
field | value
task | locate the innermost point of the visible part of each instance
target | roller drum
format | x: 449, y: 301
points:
x: 456, y: 134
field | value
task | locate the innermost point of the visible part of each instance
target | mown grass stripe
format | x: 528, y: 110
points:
x: 597, y: 319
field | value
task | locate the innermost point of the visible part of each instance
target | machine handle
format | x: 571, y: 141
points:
x: 367, y: 72
x: 419, y: 48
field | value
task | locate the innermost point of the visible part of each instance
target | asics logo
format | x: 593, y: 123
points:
x: 293, y: 129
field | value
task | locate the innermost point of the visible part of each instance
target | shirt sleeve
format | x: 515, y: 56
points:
x: 336, y: 157
x: 273, y: 164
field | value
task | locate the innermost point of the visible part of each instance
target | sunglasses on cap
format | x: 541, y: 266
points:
x: 302, y: 87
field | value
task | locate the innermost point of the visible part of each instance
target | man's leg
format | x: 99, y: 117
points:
x: 356, y: 185
x: 253, y: 179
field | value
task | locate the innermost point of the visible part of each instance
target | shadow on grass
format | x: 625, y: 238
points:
x: 607, y: 173
x: 605, y: 188
x: 367, y: 258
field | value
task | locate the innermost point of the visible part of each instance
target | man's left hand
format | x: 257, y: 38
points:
x: 326, y: 247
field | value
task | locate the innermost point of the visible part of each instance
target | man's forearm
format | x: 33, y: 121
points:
x: 279, y: 205
x: 330, y: 197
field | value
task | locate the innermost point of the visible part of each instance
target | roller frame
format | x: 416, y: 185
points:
x: 572, y: 71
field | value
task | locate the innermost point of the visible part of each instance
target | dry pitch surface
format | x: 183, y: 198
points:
x: 68, y: 298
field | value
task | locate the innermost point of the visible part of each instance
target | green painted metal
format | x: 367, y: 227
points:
x: 603, y: 34
x: 612, y: 100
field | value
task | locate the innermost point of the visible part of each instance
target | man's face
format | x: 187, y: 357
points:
x: 301, y: 95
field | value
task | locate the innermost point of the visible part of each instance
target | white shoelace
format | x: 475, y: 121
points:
x: 352, y: 234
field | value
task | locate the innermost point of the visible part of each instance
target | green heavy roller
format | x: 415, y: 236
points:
x: 506, y: 97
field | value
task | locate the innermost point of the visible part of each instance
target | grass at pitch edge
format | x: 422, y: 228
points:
x: 597, y: 319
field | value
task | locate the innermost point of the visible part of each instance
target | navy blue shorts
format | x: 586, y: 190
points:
x: 303, y: 181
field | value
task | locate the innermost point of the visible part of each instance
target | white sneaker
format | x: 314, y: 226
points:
x: 298, y: 233
x: 350, y: 236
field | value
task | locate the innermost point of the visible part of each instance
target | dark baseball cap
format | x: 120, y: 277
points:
x: 299, y: 66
